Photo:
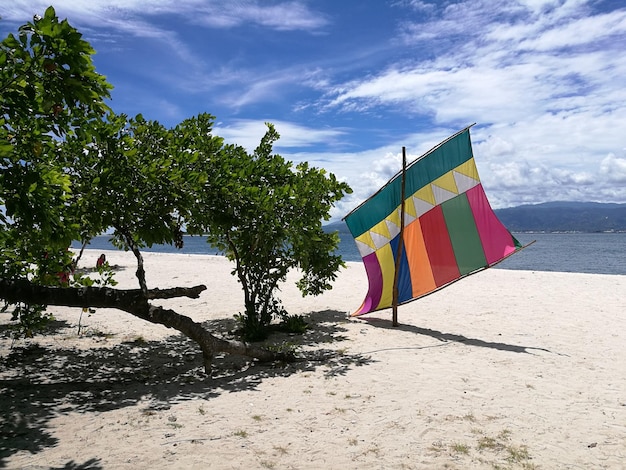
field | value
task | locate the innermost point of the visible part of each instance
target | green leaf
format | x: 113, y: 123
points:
x: 50, y: 14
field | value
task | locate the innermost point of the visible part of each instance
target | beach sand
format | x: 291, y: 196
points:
x: 503, y: 370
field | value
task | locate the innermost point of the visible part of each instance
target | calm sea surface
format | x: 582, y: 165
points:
x: 600, y: 253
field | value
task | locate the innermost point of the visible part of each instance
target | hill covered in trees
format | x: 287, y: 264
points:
x: 564, y: 217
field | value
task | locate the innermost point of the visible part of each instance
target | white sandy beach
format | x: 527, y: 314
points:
x: 503, y: 370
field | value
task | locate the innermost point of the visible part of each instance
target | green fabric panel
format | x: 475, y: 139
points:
x: 423, y: 171
x: 466, y: 243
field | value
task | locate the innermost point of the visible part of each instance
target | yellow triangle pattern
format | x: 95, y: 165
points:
x: 447, y: 182
x: 468, y: 169
x: 381, y: 229
x: 394, y: 217
x: 367, y: 239
x: 426, y: 194
x: 409, y: 207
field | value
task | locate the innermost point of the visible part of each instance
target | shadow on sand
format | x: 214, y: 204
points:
x: 449, y: 337
x: 38, y: 383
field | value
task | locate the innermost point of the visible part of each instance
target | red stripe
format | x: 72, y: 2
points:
x: 439, y: 247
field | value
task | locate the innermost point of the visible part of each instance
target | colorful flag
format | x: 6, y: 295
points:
x: 450, y: 230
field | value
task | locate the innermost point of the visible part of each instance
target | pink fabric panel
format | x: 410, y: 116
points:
x: 496, y: 240
x: 375, y: 277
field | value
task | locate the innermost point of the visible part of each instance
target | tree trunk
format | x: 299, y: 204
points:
x: 136, y: 302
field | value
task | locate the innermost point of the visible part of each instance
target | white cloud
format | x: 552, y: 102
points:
x: 417, y: 5
x: 544, y: 80
x: 578, y: 32
x: 255, y: 85
x: 546, y: 88
x: 539, y: 6
x: 614, y: 168
x: 281, y: 15
x: 497, y: 78
x: 248, y: 133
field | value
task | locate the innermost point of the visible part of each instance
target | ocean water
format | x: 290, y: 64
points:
x: 597, y: 253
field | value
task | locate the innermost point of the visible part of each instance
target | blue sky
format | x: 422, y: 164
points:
x: 349, y: 82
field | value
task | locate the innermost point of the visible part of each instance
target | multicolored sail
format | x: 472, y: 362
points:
x: 450, y: 230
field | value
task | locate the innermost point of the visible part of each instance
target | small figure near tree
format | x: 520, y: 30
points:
x: 101, y: 260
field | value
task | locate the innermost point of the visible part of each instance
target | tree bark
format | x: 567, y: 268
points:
x: 136, y: 302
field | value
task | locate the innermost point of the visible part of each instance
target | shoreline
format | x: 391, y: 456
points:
x: 348, y: 263
x: 584, y: 253
x: 508, y: 368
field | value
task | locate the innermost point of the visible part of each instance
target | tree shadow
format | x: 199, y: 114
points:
x: 51, y: 327
x: 450, y: 337
x: 38, y: 383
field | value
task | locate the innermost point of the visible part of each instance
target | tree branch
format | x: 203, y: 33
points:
x: 135, y: 302
x: 13, y: 291
x: 191, y: 292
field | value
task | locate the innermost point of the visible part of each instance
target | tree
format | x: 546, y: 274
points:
x: 54, y: 145
x: 138, y: 178
x: 70, y: 169
x: 266, y: 216
x: 49, y: 89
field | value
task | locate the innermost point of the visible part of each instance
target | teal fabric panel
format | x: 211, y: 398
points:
x: 436, y: 163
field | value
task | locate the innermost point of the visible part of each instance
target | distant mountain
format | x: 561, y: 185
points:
x: 564, y: 217
x: 551, y: 217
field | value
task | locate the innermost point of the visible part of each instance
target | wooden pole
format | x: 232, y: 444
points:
x: 400, y: 242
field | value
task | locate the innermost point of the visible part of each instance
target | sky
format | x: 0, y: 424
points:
x: 348, y: 83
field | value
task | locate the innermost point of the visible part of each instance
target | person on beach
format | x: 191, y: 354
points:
x: 101, y: 260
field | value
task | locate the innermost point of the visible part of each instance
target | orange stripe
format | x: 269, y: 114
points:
x: 422, y: 278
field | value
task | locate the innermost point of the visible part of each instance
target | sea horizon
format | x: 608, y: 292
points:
x: 592, y: 253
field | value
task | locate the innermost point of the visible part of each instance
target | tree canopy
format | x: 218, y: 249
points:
x: 266, y: 215
x: 70, y: 169
x: 49, y: 90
